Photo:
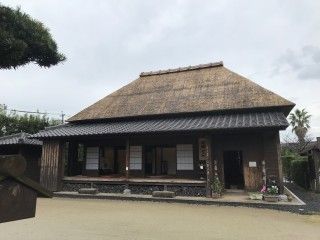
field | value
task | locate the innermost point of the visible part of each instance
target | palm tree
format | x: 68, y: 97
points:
x: 299, y: 121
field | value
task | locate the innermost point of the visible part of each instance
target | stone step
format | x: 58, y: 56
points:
x: 163, y: 194
x: 88, y: 191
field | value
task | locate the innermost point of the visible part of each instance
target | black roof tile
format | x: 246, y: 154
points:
x: 19, y: 139
x: 191, y: 123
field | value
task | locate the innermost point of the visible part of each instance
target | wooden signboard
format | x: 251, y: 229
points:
x: 18, y: 194
x: 16, y: 201
x: 203, y: 149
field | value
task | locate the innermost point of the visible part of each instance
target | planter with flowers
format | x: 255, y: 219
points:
x: 271, y: 194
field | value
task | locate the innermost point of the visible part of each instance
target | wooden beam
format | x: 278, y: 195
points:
x: 209, y: 168
x: 34, y: 185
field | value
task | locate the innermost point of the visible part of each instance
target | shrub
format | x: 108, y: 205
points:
x: 299, y: 171
x: 217, y: 186
x: 287, y: 157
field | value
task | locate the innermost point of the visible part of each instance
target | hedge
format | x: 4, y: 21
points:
x: 299, y: 171
x: 287, y: 157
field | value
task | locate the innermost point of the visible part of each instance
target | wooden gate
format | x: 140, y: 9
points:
x: 51, y: 165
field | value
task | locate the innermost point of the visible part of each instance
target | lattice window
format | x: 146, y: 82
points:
x: 184, y: 157
x: 135, y: 157
x: 92, y: 158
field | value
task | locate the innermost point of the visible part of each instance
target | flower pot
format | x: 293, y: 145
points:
x: 271, y: 198
x: 255, y: 196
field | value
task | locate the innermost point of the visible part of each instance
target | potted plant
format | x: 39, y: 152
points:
x: 271, y: 194
x: 258, y: 195
x: 255, y: 196
x: 216, y: 188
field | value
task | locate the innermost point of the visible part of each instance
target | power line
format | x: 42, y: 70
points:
x: 25, y: 111
x: 62, y: 114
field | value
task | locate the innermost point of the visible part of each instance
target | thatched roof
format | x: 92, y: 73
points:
x: 202, y: 88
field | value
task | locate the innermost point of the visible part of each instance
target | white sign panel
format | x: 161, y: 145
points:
x: 252, y: 164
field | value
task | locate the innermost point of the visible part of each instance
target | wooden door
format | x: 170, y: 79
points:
x: 121, y: 161
x: 169, y: 156
x: 233, y: 169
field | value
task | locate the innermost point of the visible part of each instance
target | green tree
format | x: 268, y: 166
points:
x: 14, y: 123
x: 287, y: 156
x: 24, y: 40
x: 300, y: 122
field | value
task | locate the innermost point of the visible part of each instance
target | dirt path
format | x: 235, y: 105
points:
x: 104, y: 219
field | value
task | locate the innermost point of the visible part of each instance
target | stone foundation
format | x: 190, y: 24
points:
x: 137, y: 188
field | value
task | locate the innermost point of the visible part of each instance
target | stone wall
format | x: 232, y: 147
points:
x: 137, y: 188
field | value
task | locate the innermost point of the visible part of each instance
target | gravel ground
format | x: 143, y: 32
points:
x: 311, y: 199
x: 82, y: 219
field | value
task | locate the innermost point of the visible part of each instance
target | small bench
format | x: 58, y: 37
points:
x: 163, y: 194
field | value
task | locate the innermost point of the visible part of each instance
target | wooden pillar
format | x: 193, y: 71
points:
x: 127, y: 157
x: 209, y: 161
x: 52, y: 166
x: 272, y: 157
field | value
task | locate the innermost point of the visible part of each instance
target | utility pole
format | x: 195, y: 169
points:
x: 62, y: 117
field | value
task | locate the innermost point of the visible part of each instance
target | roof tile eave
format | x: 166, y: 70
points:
x: 191, y: 123
x: 176, y: 113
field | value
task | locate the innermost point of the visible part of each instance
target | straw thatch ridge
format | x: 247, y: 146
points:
x: 196, y: 89
x: 182, y: 69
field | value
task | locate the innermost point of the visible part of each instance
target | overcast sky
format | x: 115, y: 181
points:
x: 108, y: 43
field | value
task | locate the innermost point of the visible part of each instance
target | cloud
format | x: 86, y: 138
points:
x: 108, y: 43
x: 305, y: 63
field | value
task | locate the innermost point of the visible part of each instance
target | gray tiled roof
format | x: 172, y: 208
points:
x: 19, y: 139
x: 191, y: 123
x: 301, y: 147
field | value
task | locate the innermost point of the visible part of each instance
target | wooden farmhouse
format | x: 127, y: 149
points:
x: 175, y: 128
x: 29, y: 149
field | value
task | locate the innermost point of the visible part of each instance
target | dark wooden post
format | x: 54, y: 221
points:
x: 127, y: 157
x: 209, y: 168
